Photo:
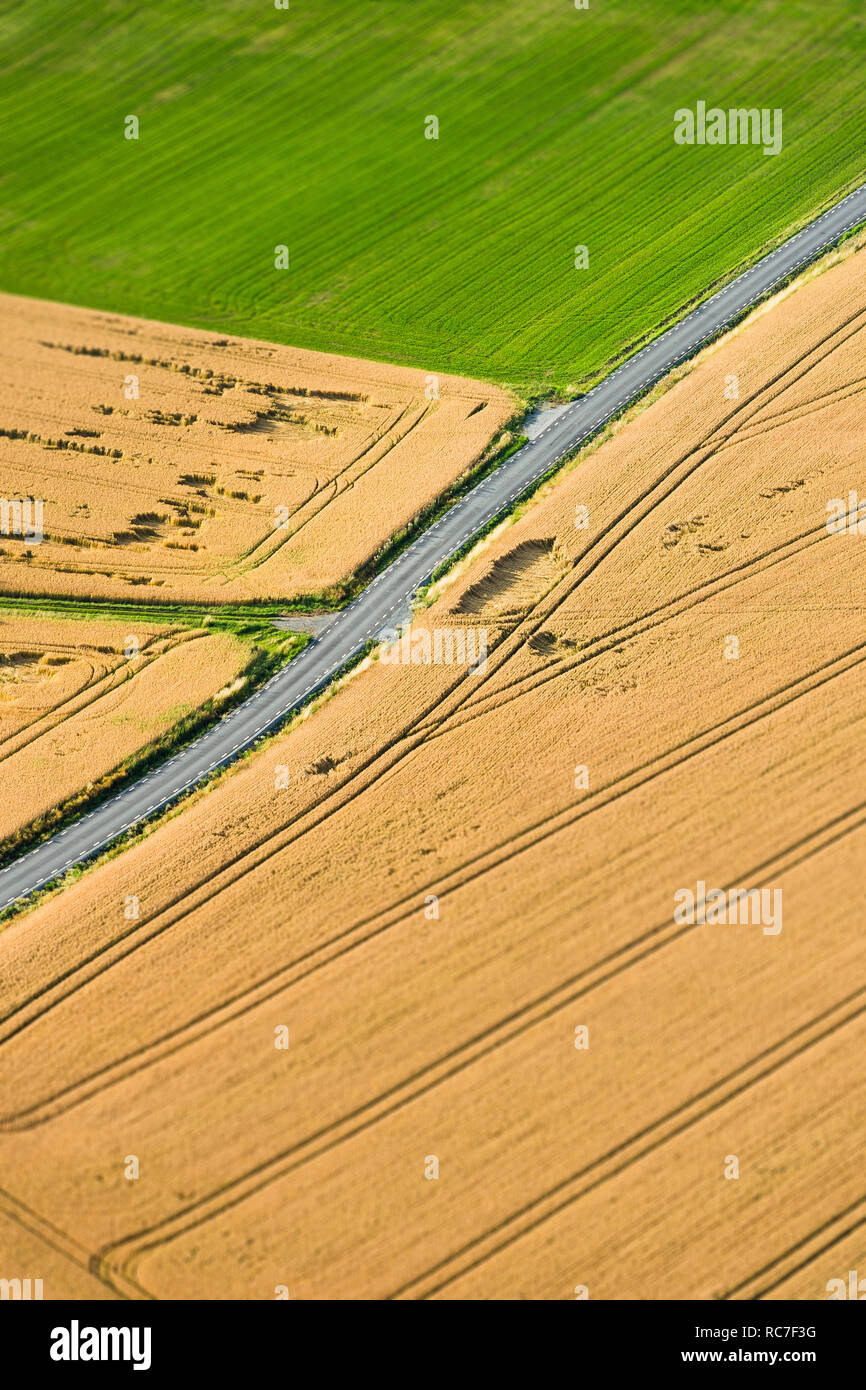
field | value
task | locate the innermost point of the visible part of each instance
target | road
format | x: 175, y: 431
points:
x: 388, y: 596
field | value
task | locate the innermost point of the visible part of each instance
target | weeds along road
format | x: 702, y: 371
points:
x: 388, y: 595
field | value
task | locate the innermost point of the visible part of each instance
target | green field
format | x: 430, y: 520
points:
x: 305, y: 127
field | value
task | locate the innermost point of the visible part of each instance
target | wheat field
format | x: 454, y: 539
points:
x: 174, y: 466
x: 410, y: 1009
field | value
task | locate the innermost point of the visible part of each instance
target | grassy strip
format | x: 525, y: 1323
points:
x: 222, y: 616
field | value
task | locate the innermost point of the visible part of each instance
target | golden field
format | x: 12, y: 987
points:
x: 79, y: 697
x: 513, y: 1071
x: 176, y: 465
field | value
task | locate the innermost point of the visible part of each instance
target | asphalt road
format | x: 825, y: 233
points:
x: 387, y: 597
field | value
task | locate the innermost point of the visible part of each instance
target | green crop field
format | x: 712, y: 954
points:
x: 305, y: 127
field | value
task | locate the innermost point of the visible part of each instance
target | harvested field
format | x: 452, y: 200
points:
x: 77, y: 698
x: 514, y: 1068
x: 176, y: 466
